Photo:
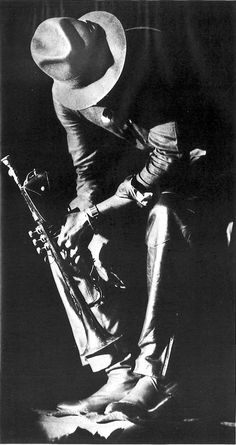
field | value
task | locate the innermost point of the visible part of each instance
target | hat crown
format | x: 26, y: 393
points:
x: 85, y: 57
x: 58, y: 49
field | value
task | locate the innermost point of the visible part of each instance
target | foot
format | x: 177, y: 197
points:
x: 117, y: 387
x: 143, y: 402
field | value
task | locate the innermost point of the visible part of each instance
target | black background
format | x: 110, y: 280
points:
x: 40, y: 363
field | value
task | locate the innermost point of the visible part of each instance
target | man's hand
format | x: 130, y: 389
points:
x: 96, y: 247
x: 77, y: 231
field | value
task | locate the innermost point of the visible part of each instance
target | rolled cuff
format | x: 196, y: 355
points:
x: 164, y: 161
x: 131, y: 189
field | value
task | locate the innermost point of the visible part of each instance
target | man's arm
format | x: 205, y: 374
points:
x: 163, y: 165
x: 137, y: 189
x: 81, y: 226
x: 84, y: 155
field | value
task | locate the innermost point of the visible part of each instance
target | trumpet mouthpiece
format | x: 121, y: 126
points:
x: 6, y: 160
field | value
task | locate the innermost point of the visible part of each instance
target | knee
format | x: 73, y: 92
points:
x: 158, y: 223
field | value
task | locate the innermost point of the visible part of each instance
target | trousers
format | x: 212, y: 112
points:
x: 178, y: 260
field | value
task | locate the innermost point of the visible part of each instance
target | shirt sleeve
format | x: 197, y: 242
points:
x: 84, y: 154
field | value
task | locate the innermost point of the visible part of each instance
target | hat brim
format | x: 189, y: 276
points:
x: 81, y: 98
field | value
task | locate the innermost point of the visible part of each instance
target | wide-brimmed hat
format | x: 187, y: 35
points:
x: 53, y: 48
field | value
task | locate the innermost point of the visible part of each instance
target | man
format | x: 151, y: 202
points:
x: 111, y: 85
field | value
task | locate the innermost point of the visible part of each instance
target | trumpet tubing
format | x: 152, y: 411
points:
x: 97, y: 335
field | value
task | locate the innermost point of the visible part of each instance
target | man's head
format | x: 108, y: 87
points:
x: 85, y: 57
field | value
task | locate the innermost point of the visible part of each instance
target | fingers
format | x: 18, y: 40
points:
x: 75, y: 228
x: 116, y: 281
x: 106, y: 274
x: 101, y: 270
x: 67, y: 238
x: 111, y: 417
x: 62, y: 237
x: 68, y: 230
x: 68, y: 253
x: 73, y: 253
x: 96, y: 247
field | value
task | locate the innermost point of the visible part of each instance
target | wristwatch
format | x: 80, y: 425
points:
x: 93, y: 216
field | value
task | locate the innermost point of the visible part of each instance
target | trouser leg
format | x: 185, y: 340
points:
x: 186, y: 258
x: 166, y: 248
x: 169, y: 271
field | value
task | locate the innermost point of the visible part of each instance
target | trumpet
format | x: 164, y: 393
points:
x: 96, y: 334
